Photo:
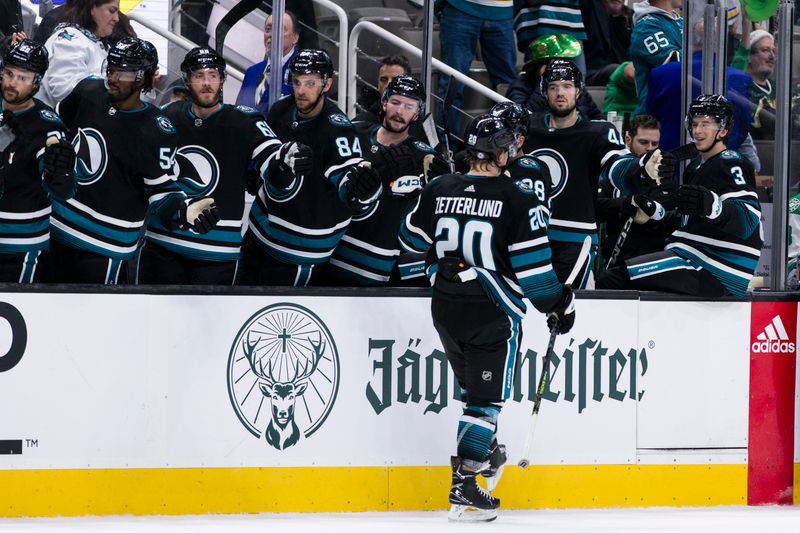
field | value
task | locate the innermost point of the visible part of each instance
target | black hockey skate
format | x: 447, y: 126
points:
x: 497, y: 460
x: 469, y: 502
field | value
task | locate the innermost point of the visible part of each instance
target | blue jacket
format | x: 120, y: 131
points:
x: 664, y: 101
x: 252, y: 77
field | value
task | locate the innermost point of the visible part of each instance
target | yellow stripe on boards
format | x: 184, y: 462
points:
x: 796, y: 492
x: 328, y: 489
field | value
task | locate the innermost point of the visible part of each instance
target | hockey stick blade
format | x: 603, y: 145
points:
x: 237, y: 13
x: 524, y: 462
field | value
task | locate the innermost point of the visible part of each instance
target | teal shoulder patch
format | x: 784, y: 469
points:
x: 422, y: 147
x: 730, y: 154
x: 338, y: 119
x: 49, y: 116
x: 528, y: 162
x: 525, y: 185
x: 247, y: 109
x: 165, y: 124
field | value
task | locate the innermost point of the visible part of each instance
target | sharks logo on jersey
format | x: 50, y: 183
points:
x: 557, y: 165
x: 92, y: 155
x: 198, y: 170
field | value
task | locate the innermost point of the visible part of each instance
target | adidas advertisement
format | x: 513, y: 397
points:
x: 769, y: 333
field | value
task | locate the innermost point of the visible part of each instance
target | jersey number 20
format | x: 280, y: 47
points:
x: 473, y: 242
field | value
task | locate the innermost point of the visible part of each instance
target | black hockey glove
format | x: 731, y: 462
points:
x: 434, y: 165
x: 196, y: 214
x: 59, y: 167
x: 362, y: 186
x: 393, y: 162
x: 696, y: 200
x: 642, y: 209
x: 253, y: 181
x: 296, y: 157
x: 658, y: 166
x: 562, y: 316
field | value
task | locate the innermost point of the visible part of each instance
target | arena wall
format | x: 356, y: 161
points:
x: 133, y: 402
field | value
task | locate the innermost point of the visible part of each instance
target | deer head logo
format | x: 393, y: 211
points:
x: 279, y: 357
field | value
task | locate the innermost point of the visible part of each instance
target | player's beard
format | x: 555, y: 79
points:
x: 205, y: 103
x: 388, y: 125
x: 561, y: 113
x: 305, y: 107
x: 14, y: 97
x: 122, y: 95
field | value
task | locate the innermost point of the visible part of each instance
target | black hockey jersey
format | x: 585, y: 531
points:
x: 212, y: 160
x: 301, y: 223
x: 369, y: 249
x: 729, y: 244
x: 533, y: 169
x: 25, y: 203
x: 575, y: 157
x: 496, y: 225
x: 125, y: 164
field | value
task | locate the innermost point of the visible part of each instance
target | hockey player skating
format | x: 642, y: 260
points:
x: 715, y: 249
x: 125, y: 167
x: 577, y: 152
x: 369, y: 251
x: 216, y: 145
x: 486, y: 239
x: 35, y: 161
x: 296, y: 222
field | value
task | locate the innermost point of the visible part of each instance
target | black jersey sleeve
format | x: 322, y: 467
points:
x: 528, y: 245
x: 732, y: 180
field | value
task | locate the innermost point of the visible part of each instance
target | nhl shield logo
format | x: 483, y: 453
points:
x: 92, y: 155
x: 283, y: 374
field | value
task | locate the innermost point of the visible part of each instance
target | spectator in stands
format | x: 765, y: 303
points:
x: 608, y: 26
x: 462, y: 24
x: 757, y: 55
x: 370, y: 101
x: 76, y: 50
x: 664, y: 101
x: 305, y: 21
x: 621, y: 90
x: 255, y: 86
x: 526, y: 88
x: 536, y: 18
x: 657, y: 38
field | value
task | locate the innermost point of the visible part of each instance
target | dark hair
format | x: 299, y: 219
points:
x: 292, y: 17
x: 80, y: 12
x: 645, y: 122
x: 399, y: 60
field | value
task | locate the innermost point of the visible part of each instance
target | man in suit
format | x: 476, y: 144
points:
x: 255, y: 87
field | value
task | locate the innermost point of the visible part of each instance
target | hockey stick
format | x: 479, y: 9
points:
x: 448, y: 105
x: 682, y: 153
x: 524, y: 461
x: 237, y: 13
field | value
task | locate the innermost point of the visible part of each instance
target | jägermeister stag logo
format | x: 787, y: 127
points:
x: 283, y: 374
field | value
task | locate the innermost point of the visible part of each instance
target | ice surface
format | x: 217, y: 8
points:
x: 682, y: 520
